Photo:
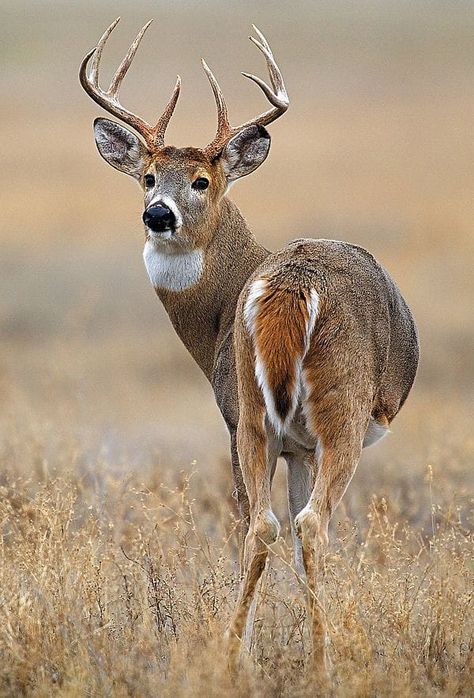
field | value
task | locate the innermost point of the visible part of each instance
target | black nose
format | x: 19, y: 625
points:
x: 158, y: 218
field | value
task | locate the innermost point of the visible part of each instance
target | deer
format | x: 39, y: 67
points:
x: 311, y: 351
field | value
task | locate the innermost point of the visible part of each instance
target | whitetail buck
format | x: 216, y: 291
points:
x: 311, y: 351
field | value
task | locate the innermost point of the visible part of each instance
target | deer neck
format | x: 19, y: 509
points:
x: 203, y: 313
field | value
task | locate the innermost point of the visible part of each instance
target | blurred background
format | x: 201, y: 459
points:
x: 376, y: 149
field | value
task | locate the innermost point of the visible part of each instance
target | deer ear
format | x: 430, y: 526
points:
x: 120, y: 147
x: 245, y: 152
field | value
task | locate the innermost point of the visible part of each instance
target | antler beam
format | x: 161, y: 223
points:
x: 109, y: 100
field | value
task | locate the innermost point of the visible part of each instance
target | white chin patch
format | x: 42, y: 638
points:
x: 173, y: 271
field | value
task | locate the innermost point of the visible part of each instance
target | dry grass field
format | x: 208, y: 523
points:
x: 118, y: 546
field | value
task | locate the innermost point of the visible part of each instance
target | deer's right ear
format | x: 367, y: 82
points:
x: 120, y: 147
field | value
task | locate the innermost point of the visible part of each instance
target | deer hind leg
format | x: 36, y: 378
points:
x: 336, y: 468
x: 340, y: 431
x: 272, y: 456
x: 263, y: 530
x: 257, y: 457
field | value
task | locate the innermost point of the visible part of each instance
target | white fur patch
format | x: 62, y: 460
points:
x: 374, y: 433
x: 251, y: 308
x: 313, y: 309
x: 256, y: 290
x: 170, y: 271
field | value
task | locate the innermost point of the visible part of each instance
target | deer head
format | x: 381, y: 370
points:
x: 182, y: 186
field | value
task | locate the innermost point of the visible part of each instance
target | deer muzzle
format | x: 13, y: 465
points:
x: 159, y: 218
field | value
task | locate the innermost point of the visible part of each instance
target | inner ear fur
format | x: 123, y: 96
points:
x: 120, y: 147
x: 245, y: 152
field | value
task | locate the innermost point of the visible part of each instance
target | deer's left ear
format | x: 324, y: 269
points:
x: 245, y: 152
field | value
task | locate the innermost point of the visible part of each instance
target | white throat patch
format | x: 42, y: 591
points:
x: 173, y: 272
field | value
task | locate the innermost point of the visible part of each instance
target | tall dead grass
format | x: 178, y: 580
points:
x: 129, y: 593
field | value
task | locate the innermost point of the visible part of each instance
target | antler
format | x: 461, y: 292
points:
x: 277, y: 96
x: 153, y: 135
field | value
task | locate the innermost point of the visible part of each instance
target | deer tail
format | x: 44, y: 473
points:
x: 280, y: 320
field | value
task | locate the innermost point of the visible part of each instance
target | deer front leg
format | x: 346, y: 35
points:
x: 240, y: 494
x: 263, y: 530
x: 301, y: 472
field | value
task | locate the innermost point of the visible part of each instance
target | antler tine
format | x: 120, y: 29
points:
x: 223, y: 125
x: 273, y: 69
x: 153, y: 135
x: 276, y: 95
x: 97, y: 52
x: 279, y: 96
x: 164, y: 119
x: 127, y: 61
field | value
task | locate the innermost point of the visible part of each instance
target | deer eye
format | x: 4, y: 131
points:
x: 200, y: 183
x: 149, y: 181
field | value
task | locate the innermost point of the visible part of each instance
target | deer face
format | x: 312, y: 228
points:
x: 182, y: 186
